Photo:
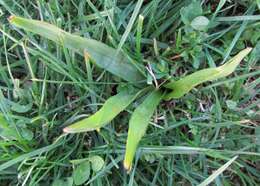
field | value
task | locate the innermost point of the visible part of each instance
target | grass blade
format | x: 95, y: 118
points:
x: 187, y: 83
x: 111, y: 108
x: 104, y: 56
x: 213, y: 176
x: 29, y: 155
x: 130, y: 24
x: 138, y: 125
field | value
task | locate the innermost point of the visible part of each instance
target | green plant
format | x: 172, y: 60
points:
x: 122, y: 66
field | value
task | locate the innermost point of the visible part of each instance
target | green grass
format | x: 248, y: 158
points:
x: 210, y: 134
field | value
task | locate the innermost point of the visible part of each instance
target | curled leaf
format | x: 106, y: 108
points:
x: 138, y: 125
x: 187, y: 83
x: 104, y: 56
x: 111, y: 108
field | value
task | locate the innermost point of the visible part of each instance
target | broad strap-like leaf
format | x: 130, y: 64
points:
x: 138, y: 125
x: 104, y: 56
x: 111, y: 108
x: 187, y: 83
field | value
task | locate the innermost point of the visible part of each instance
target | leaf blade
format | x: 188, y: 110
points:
x: 7, y: 131
x: 97, y: 163
x: 81, y: 173
x: 187, y: 83
x: 215, y: 174
x: 104, y: 56
x: 111, y: 108
x: 138, y: 125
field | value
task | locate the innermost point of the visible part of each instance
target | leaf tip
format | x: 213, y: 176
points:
x: 11, y: 18
x: 86, y: 55
x: 249, y: 49
x: 141, y: 17
x: 127, y: 166
x: 66, y: 130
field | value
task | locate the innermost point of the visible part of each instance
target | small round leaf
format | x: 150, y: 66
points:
x: 96, y: 163
x: 231, y: 104
x: 200, y: 23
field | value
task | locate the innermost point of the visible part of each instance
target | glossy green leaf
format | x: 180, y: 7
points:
x: 187, y: 83
x: 104, y: 56
x: 111, y: 108
x: 138, y: 125
x: 81, y: 173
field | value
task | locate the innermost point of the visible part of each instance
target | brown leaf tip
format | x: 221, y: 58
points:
x: 11, y: 18
x: 127, y: 167
x: 86, y: 56
x: 66, y: 130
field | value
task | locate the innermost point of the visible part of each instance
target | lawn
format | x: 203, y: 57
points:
x: 160, y: 92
